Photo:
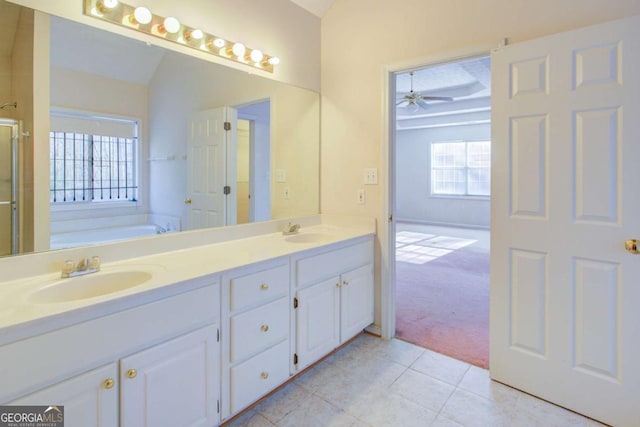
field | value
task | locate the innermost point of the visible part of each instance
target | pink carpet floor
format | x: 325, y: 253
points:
x: 443, y: 305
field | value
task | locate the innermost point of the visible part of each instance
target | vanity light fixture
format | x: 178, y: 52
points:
x: 141, y: 15
x: 105, y: 6
x: 169, y: 28
x: 193, y: 34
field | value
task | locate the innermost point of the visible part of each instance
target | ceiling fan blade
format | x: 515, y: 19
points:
x: 402, y: 101
x: 437, y: 98
x: 422, y: 104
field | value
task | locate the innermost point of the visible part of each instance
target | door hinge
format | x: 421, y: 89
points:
x: 295, y: 358
x: 218, y: 402
x: 227, y: 190
x: 218, y: 335
x: 295, y: 303
x: 227, y: 125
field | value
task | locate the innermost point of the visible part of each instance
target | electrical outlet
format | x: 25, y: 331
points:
x: 287, y: 194
x: 361, y: 196
x: 370, y: 176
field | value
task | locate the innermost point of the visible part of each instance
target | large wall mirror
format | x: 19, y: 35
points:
x: 139, y: 145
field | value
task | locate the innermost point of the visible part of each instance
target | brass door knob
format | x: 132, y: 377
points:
x: 108, y: 383
x: 132, y: 373
x: 631, y: 246
x: 264, y: 287
x: 264, y: 375
x: 187, y: 201
x: 264, y: 328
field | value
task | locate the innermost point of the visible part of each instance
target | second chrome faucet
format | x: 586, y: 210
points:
x: 84, y: 266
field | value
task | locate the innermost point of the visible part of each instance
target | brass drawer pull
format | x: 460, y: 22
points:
x: 264, y: 287
x: 132, y: 373
x: 264, y: 375
x: 345, y: 282
x: 108, y: 383
x: 338, y: 285
x: 264, y: 328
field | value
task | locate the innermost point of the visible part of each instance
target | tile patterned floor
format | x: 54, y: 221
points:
x: 372, y: 382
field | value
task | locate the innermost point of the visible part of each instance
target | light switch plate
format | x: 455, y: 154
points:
x: 281, y: 175
x: 370, y: 176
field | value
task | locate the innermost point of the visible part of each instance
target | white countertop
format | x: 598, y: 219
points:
x: 172, y: 272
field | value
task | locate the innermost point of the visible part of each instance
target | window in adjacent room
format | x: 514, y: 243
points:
x: 93, y: 159
x: 461, y: 168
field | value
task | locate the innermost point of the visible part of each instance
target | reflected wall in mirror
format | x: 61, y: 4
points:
x: 267, y: 164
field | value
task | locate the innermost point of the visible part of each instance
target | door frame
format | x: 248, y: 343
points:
x: 386, y: 231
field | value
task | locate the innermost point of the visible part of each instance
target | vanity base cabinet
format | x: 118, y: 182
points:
x: 89, y: 399
x: 255, y: 333
x: 317, y: 321
x: 334, y: 299
x: 172, y: 384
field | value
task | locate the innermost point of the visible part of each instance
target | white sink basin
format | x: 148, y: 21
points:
x: 308, y: 238
x: 89, y: 286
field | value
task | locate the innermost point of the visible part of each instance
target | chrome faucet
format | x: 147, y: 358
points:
x: 84, y: 266
x: 291, y: 229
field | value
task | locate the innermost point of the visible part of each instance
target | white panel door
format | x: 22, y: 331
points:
x: 318, y: 321
x: 89, y: 399
x: 173, y: 384
x: 565, y: 323
x: 356, y: 302
x: 211, y: 166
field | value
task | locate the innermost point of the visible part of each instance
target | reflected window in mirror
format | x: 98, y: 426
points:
x: 93, y: 160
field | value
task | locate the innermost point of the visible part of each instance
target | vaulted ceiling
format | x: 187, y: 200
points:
x: 317, y: 7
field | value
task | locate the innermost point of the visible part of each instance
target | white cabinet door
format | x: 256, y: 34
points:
x: 356, y: 302
x: 90, y: 399
x: 564, y: 293
x: 172, y: 384
x: 318, y: 322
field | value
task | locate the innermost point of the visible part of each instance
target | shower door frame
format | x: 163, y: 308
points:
x: 15, y: 135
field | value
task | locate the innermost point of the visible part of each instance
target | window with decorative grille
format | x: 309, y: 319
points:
x: 93, y: 165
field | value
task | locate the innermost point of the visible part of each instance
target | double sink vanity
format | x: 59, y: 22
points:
x: 189, y: 332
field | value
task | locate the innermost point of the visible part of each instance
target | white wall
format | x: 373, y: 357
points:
x: 361, y: 37
x: 414, y: 201
x: 277, y: 27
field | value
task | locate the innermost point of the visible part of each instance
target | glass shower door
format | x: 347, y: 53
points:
x: 8, y: 162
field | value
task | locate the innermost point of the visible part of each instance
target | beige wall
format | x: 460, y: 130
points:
x: 361, y: 37
x: 277, y: 27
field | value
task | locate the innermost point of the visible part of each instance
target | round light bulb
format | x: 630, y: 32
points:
x: 142, y: 15
x: 274, y: 60
x: 219, y: 43
x: 171, y: 24
x: 256, y: 55
x: 238, y: 50
x: 197, y: 34
x: 109, y: 4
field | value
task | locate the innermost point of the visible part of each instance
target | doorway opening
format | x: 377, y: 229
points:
x: 254, y: 162
x: 442, y: 197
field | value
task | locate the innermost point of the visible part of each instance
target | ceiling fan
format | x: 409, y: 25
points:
x: 415, y: 100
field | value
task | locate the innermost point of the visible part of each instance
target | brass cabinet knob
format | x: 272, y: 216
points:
x: 338, y: 285
x: 264, y: 328
x: 108, y: 383
x: 345, y: 282
x: 631, y: 246
x: 187, y: 201
x: 264, y: 375
x: 132, y: 373
x: 264, y: 287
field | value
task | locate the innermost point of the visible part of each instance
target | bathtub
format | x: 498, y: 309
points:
x: 102, y: 235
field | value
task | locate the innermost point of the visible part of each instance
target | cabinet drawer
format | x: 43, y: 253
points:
x: 322, y: 266
x: 259, y: 328
x: 259, y: 287
x: 259, y: 375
